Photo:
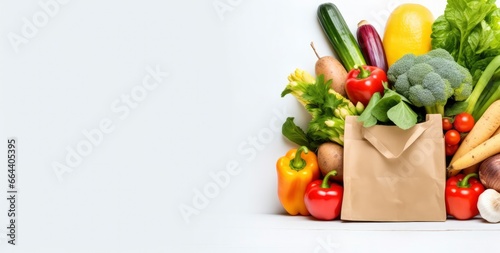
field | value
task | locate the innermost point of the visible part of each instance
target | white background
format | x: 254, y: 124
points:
x: 220, y: 105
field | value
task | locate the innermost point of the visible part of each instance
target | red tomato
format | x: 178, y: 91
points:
x: 450, y: 149
x: 447, y: 125
x: 452, y: 137
x: 464, y: 122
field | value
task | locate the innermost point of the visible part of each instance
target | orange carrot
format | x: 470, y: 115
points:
x: 484, y: 128
x: 478, y: 154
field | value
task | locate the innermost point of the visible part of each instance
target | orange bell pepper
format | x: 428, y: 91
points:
x: 295, y: 171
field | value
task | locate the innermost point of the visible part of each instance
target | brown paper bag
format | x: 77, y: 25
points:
x: 392, y: 174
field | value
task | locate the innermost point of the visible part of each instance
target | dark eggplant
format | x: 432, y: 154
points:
x: 371, y: 45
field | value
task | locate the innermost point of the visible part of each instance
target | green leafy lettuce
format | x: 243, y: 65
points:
x: 470, y: 31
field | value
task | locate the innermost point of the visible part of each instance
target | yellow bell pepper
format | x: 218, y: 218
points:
x: 295, y: 171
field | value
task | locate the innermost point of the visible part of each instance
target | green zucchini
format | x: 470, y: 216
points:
x: 344, y: 44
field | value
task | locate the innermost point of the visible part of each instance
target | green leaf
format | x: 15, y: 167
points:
x: 469, y: 30
x: 402, y: 115
x: 382, y: 107
x: 294, y: 133
x: 486, y: 37
x: 320, y: 101
x: 391, y: 93
x: 366, y: 117
x: 286, y: 91
x: 455, y: 108
x: 440, y: 35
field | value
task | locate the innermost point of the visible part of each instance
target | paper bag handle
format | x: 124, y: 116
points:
x: 418, y: 130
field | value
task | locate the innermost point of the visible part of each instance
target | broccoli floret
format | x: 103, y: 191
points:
x: 459, y: 77
x: 440, y: 53
x: 400, y: 67
x: 417, y: 73
x: 422, y: 96
x: 449, y: 71
x: 432, y: 93
x: 422, y: 59
x: 440, y: 89
x: 463, y: 91
x: 402, y: 85
x: 430, y: 80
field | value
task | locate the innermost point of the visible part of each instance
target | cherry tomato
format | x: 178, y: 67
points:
x: 450, y: 149
x: 447, y: 125
x: 464, y: 122
x: 452, y: 137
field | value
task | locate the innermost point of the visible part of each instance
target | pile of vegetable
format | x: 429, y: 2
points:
x: 448, y: 66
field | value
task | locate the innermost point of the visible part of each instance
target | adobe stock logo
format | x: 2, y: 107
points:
x: 379, y: 17
x: 221, y: 7
x: 39, y: 20
x: 326, y: 244
x: 220, y: 180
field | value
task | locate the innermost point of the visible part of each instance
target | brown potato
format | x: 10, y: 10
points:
x: 331, y: 157
x: 331, y: 69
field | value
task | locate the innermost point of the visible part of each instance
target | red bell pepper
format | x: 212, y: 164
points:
x: 461, y: 195
x: 363, y: 81
x: 324, y: 200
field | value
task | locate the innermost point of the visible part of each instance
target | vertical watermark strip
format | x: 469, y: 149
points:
x: 12, y: 199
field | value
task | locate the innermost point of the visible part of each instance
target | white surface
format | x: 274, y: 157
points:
x: 283, y: 233
x: 219, y: 107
